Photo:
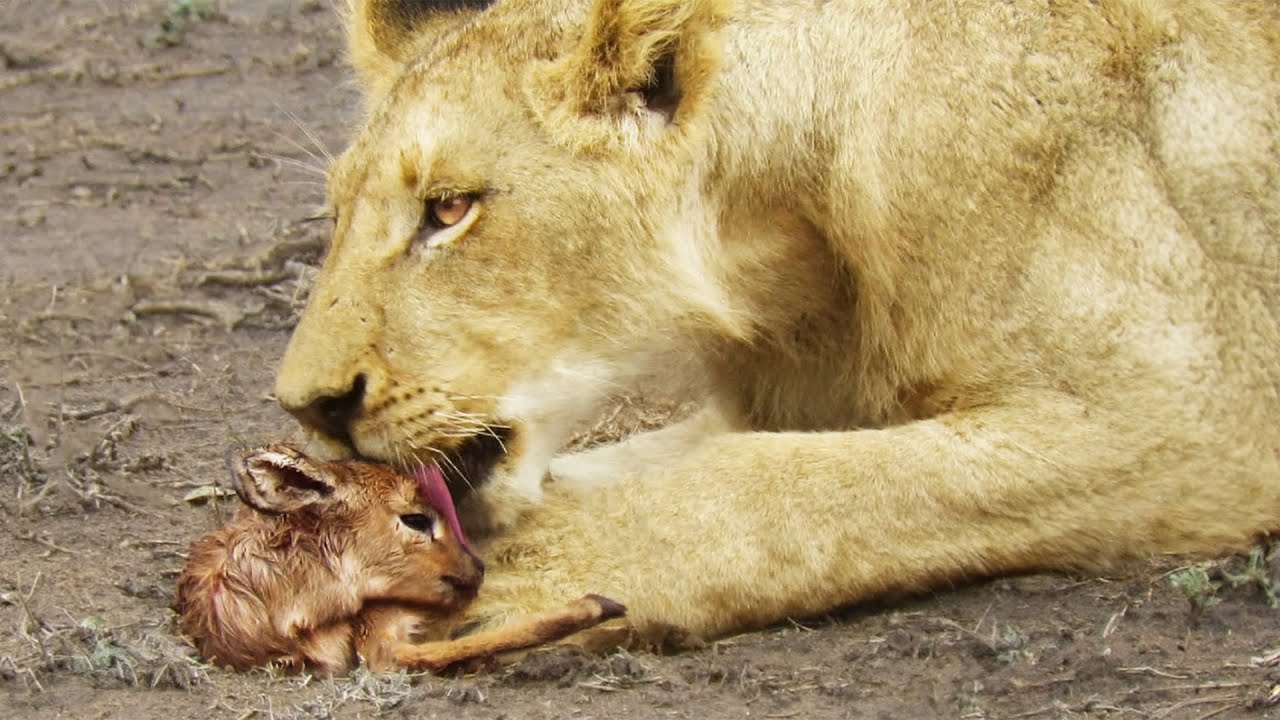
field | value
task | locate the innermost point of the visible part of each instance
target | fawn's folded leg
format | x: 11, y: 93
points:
x: 520, y: 633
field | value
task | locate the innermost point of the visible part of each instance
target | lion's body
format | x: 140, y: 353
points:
x: 970, y: 288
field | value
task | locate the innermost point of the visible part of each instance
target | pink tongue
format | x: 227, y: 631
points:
x: 431, y: 482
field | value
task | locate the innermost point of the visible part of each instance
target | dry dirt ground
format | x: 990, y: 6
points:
x: 154, y: 194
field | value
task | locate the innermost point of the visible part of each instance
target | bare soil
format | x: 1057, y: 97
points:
x: 155, y: 189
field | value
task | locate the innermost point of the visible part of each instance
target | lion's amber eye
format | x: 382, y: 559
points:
x: 447, y: 211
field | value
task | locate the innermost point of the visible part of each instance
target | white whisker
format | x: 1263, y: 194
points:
x: 324, y: 151
x: 294, y: 163
x: 456, y: 470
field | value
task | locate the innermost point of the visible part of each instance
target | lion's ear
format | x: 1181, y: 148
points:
x: 641, y: 65
x: 384, y: 35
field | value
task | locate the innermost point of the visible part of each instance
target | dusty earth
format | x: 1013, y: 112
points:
x: 158, y: 165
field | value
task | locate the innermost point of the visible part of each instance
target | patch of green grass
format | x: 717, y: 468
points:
x: 179, y: 17
x: 15, y: 451
x: 1256, y: 573
x: 1009, y: 646
x: 1197, y: 587
x: 150, y: 655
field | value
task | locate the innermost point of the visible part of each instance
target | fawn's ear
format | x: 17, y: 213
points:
x: 641, y: 67
x: 384, y: 35
x: 278, y: 479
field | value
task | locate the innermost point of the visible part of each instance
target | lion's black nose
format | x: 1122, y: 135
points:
x: 333, y: 414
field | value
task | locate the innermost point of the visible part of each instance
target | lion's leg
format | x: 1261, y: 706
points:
x: 605, y: 464
x: 756, y: 527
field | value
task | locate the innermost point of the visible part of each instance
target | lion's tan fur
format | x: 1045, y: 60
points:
x: 970, y: 288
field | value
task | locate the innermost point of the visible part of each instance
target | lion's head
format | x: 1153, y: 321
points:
x: 519, y: 230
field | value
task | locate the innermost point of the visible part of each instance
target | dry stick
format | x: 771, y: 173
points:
x: 1033, y: 713
x: 89, y: 379
x: 224, y: 313
x: 27, y: 674
x: 27, y: 504
x: 1114, y: 622
x: 91, y: 410
x: 1219, y: 711
x: 24, y: 601
x: 108, y: 355
x: 1271, y: 658
x: 28, y: 467
x: 63, y: 315
x: 95, y: 493
x: 32, y: 537
x: 1230, y: 701
x: 1078, y: 707
x: 194, y: 72
x: 1192, y: 686
x: 967, y: 632
x: 244, y: 278
x: 1147, y: 670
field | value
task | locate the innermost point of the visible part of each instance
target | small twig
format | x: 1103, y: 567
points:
x: 1191, y: 686
x: 30, y: 619
x: 1230, y: 702
x: 1213, y: 713
x: 1024, y: 685
x: 89, y: 379
x: 63, y: 315
x: 28, y: 675
x: 1037, y: 711
x: 26, y: 504
x: 244, y: 278
x: 599, y: 685
x: 1147, y: 670
x: 32, y: 537
x: 1110, y: 627
x: 968, y: 633
x: 227, y: 314
x: 1270, y: 659
x: 192, y: 72
x: 91, y: 410
x: 798, y: 625
x: 125, y: 505
x: 108, y: 355
x: 94, y: 492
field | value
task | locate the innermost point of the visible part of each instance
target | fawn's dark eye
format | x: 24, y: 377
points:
x: 419, y: 522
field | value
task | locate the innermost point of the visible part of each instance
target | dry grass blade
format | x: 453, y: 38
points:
x: 1270, y: 659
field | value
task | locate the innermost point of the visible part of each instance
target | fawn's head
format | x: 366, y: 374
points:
x: 388, y: 536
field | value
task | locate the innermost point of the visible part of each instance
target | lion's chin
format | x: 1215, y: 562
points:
x: 324, y: 447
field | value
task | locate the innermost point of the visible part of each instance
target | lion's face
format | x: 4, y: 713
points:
x: 490, y: 281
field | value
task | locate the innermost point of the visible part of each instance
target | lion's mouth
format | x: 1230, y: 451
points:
x: 472, y: 464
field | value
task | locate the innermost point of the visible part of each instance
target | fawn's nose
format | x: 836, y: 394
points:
x: 467, y: 582
x: 329, y: 412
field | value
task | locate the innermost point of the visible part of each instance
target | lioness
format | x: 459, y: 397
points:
x: 968, y: 287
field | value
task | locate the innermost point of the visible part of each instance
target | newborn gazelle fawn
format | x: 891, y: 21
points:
x: 329, y: 564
